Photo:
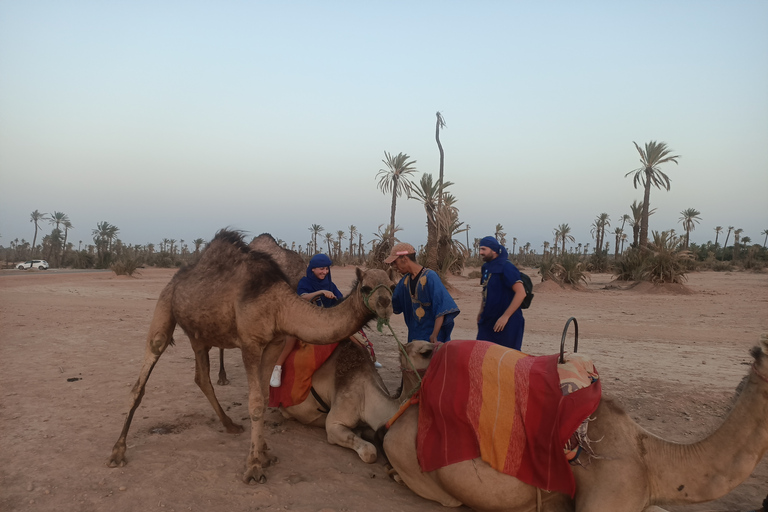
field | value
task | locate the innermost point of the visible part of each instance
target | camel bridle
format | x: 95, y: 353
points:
x: 380, y: 322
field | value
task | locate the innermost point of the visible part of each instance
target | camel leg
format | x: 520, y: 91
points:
x: 223, y: 380
x: 159, y: 337
x: 258, y: 381
x: 339, y: 433
x: 400, y: 448
x: 203, y: 380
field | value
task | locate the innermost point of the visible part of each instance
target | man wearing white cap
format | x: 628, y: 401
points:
x: 427, y: 307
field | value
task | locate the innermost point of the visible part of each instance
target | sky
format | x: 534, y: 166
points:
x: 175, y: 119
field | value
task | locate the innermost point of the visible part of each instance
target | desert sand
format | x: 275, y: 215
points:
x: 71, y: 344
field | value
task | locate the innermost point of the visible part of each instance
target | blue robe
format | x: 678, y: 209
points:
x: 498, y: 277
x: 420, y: 310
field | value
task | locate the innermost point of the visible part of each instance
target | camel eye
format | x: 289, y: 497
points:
x: 392, y: 287
x: 365, y: 289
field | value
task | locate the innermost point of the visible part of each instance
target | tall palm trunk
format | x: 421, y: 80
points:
x: 644, y: 216
x: 392, y: 213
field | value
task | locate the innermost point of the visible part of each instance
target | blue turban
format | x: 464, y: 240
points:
x: 491, y: 243
x: 311, y: 283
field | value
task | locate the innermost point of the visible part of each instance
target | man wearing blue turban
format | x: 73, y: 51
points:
x: 427, y: 307
x: 500, y: 319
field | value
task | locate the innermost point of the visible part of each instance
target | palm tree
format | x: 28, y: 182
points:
x: 395, y: 179
x: 514, y: 242
x: 617, y: 232
x: 428, y: 193
x: 468, y: 249
x: 565, y: 235
x: 690, y: 217
x: 198, y: 243
x: 340, y: 235
x: 654, y: 154
x: 556, y: 241
x: 765, y: 232
x: 728, y: 234
x: 316, y: 229
x: 67, y: 226
x: 329, y: 241
x: 736, y: 248
x: 598, y: 229
x: 439, y: 123
x: 35, y: 218
x: 718, y: 230
x: 352, y: 234
x: 500, y: 235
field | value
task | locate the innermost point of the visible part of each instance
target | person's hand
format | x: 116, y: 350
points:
x: 433, y: 338
x: 500, y: 323
x: 328, y: 295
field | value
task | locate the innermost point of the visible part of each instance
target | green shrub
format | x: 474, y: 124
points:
x: 630, y: 266
x: 125, y: 267
x: 572, y: 270
x: 666, y: 263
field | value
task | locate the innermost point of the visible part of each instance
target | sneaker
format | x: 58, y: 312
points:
x: 276, y: 378
x: 377, y: 364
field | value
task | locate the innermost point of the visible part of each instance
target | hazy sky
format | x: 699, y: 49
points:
x: 173, y: 119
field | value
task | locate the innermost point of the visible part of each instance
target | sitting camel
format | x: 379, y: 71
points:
x: 235, y: 297
x: 353, y: 394
x: 634, y: 470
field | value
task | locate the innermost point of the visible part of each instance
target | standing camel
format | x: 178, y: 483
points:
x: 290, y: 262
x: 235, y: 297
x: 634, y: 470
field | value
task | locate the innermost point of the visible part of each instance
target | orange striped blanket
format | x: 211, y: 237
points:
x: 479, y: 399
x: 298, y: 369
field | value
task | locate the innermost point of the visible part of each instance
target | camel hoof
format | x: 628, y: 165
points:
x: 234, y: 428
x: 254, y: 475
x: 223, y: 381
x: 117, y: 458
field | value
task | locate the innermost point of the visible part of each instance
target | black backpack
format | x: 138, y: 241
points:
x: 528, y: 285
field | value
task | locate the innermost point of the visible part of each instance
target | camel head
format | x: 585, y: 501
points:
x: 375, y: 287
x: 420, y: 353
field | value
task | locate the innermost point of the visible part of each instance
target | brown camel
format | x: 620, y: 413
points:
x: 290, y: 262
x: 234, y: 297
x: 354, y: 394
x: 634, y: 470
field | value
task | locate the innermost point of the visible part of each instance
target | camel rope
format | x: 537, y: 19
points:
x: 380, y: 322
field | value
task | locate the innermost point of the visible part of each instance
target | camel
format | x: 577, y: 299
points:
x: 353, y: 394
x: 290, y: 262
x: 634, y: 470
x: 235, y: 297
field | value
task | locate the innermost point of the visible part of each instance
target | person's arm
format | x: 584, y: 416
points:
x: 312, y: 295
x: 436, y: 330
x: 516, y: 301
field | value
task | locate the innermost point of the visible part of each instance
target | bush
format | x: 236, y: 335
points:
x: 630, y: 266
x: 572, y: 270
x: 665, y: 263
x: 598, y: 262
x: 125, y: 267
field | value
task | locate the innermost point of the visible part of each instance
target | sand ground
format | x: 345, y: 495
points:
x: 672, y: 359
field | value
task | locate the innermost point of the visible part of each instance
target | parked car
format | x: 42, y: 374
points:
x: 41, y: 264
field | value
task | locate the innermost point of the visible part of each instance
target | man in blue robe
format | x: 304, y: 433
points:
x: 500, y: 319
x: 427, y: 307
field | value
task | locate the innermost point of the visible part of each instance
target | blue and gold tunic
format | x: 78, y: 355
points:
x: 420, y: 309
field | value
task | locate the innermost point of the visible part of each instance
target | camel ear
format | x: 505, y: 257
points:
x: 359, y: 274
x: 392, y: 275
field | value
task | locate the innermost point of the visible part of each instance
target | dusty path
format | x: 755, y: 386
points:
x: 672, y: 361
